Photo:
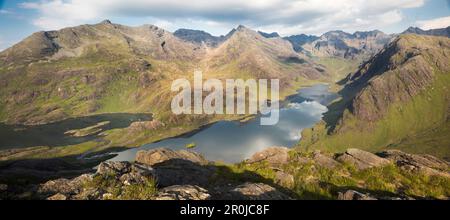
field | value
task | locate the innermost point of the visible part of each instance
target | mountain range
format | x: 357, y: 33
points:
x: 112, y: 68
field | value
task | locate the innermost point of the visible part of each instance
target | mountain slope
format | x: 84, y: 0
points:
x: 400, y: 94
x: 254, y: 56
x: 110, y: 68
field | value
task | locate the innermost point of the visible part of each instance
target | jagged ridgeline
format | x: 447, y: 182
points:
x: 106, y: 67
x: 398, y: 99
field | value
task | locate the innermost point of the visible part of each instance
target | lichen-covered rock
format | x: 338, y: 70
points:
x: 274, y: 156
x: 422, y: 163
x: 362, y: 159
x: 156, y: 156
x: 284, y: 179
x: 113, y: 168
x: 354, y: 195
x: 64, y: 186
x: 57, y: 196
x: 183, y: 192
x: 324, y: 160
x: 255, y: 191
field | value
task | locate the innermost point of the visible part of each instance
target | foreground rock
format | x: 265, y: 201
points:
x: 273, y: 174
x: 119, y: 174
x: 275, y: 156
x: 186, y: 192
x: 362, y: 159
x: 157, y: 156
x: 418, y: 163
x: 255, y: 191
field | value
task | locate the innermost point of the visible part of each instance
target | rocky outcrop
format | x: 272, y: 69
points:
x: 274, y: 156
x: 354, y: 195
x: 362, y: 159
x: 185, y: 192
x: 255, y: 191
x: 284, y: 179
x: 419, y: 163
x: 121, y: 173
x: 182, y: 175
x: 324, y: 160
x: 157, y: 156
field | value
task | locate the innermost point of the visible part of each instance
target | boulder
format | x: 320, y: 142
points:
x: 64, y: 186
x: 113, y: 168
x: 255, y: 191
x: 284, y: 179
x: 160, y: 155
x: 275, y: 156
x: 362, y: 159
x: 354, y: 195
x: 324, y: 160
x: 183, y: 192
x: 57, y: 196
x: 421, y: 163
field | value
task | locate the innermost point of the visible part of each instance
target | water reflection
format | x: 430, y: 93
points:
x: 234, y: 141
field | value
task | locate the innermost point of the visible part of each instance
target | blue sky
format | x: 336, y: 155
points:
x: 19, y: 19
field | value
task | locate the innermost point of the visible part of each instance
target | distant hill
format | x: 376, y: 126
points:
x: 360, y: 45
x: 444, y: 32
x: 269, y: 35
x: 196, y: 36
x: 299, y: 40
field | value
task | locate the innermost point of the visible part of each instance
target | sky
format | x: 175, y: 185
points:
x: 20, y: 18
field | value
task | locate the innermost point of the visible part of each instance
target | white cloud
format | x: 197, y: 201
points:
x: 5, y: 12
x: 434, y: 23
x: 290, y: 16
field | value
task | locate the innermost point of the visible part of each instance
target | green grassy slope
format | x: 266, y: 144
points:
x: 405, y: 107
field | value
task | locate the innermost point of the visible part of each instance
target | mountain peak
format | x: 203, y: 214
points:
x: 241, y: 27
x: 106, y: 21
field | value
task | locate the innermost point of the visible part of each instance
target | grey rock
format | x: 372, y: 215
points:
x: 57, y: 196
x: 255, y: 191
x: 354, y: 195
x: 275, y: 156
x: 156, y: 156
x: 284, y: 179
x: 114, y: 168
x: 419, y: 163
x: 362, y: 159
x: 324, y: 160
x: 183, y: 192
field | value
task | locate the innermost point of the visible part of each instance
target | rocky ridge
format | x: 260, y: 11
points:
x: 163, y: 174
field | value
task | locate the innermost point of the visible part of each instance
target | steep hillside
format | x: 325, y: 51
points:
x: 248, y: 54
x: 400, y: 94
x: 359, y: 45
